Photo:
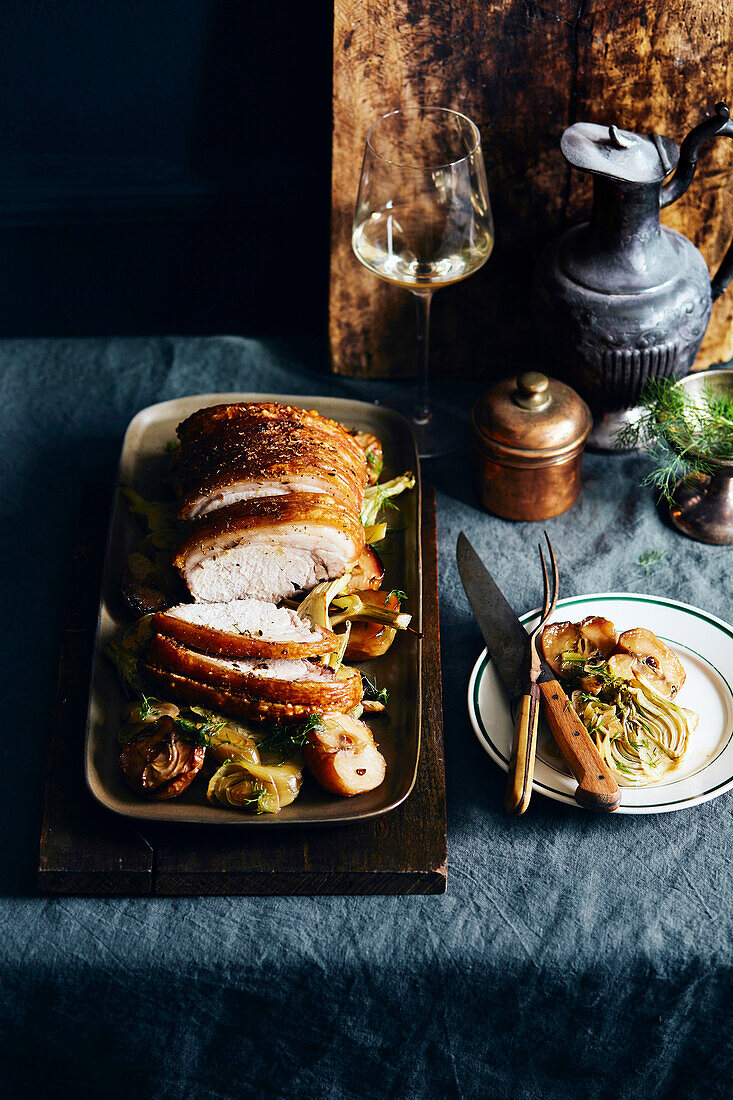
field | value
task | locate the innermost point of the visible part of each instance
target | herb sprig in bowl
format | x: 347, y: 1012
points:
x: 686, y: 427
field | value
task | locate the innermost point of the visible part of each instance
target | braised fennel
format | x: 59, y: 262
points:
x: 640, y: 733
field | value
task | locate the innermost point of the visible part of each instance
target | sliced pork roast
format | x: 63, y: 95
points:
x: 268, y: 549
x: 240, y: 452
x: 295, y: 681
x: 245, y: 628
x: 249, y: 688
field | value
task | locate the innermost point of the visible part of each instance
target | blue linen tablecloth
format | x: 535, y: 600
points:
x: 573, y: 955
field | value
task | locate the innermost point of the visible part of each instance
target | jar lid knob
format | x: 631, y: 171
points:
x: 532, y: 391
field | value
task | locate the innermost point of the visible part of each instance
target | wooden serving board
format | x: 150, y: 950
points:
x: 86, y: 850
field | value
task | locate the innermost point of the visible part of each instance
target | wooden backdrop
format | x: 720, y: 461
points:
x: 523, y: 71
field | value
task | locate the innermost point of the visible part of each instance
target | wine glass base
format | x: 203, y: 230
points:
x: 437, y: 432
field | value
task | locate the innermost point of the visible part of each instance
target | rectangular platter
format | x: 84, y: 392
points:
x: 397, y: 732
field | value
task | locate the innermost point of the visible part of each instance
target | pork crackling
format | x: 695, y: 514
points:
x: 240, y: 452
x: 235, y: 690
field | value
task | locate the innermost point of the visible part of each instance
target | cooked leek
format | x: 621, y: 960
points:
x: 232, y: 741
x: 376, y: 532
x: 315, y: 605
x: 335, y: 659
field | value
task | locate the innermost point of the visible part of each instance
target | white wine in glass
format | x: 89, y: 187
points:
x: 423, y: 221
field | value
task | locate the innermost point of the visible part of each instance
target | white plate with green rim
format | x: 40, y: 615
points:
x: 704, y: 644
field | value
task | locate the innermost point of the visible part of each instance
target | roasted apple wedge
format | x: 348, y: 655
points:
x: 600, y: 635
x: 559, y: 638
x: 594, y: 637
x: 343, y: 757
x: 654, y: 661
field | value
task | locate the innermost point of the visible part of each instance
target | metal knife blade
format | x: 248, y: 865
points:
x: 505, y: 637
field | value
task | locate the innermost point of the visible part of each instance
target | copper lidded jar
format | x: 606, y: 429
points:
x: 528, y: 439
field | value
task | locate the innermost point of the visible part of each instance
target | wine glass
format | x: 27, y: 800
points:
x: 423, y: 221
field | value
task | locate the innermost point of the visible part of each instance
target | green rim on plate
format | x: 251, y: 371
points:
x: 495, y: 747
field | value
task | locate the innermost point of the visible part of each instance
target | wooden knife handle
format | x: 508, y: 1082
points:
x: 597, y: 789
x: 521, y: 762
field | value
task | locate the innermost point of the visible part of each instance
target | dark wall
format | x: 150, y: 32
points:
x: 164, y: 166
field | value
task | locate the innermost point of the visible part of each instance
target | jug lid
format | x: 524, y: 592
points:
x: 532, y: 416
x: 619, y: 154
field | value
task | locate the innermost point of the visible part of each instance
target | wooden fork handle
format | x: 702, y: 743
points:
x: 521, y: 762
x: 597, y: 789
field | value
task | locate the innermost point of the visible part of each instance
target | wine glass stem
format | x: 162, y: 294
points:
x: 423, y: 412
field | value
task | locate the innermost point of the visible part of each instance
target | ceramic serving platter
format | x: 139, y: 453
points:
x: 703, y: 643
x: 397, y: 733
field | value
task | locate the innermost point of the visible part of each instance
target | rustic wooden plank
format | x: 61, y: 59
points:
x: 523, y: 72
x: 402, y: 852
x: 83, y: 849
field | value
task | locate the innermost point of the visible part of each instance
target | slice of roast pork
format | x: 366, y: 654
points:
x: 254, y: 689
x: 232, y: 453
x: 268, y: 549
x: 245, y: 628
x: 307, y: 683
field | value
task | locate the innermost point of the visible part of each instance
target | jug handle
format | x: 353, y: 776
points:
x: 718, y: 125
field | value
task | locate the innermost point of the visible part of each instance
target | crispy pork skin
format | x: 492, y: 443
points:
x: 268, y: 548
x: 239, y: 452
x: 301, y: 682
x: 171, y: 685
x: 245, y: 628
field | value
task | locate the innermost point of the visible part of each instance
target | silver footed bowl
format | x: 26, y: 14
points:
x: 702, y: 505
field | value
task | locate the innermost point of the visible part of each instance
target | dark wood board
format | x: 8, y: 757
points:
x: 523, y: 72
x: 85, y: 850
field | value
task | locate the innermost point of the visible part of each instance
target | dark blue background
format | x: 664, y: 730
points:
x: 158, y: 160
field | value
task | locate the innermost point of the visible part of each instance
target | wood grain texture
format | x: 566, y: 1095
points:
x: 86, y: 850
x: 83, y: 849
x: 597, y: 789
x: 523, y: 72
x: 524, y: 746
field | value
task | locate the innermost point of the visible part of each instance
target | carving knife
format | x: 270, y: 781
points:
x: 506, y: 640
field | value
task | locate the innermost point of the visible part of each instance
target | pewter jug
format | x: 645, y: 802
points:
x: 623, y: 299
